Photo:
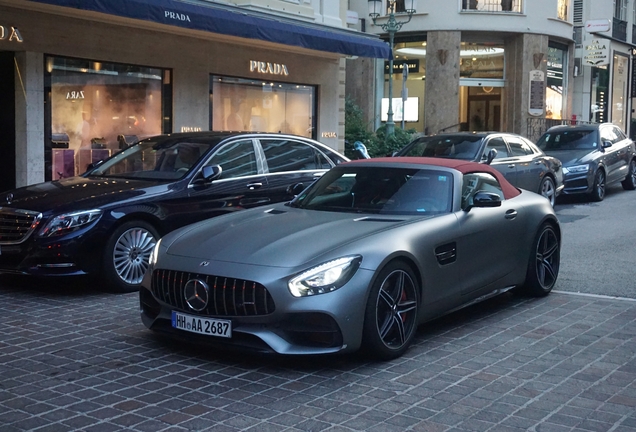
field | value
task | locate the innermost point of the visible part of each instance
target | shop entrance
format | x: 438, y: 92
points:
x: 480, y: 108
x: 7, y: 121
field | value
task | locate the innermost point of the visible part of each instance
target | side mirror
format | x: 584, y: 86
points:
x: 483, y: 199
x: 295, y: 189
x: 211, y: 172
x: 606, y: 144
x: 492, y: 154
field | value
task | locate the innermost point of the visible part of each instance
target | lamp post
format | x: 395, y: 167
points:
x: 392, y: 26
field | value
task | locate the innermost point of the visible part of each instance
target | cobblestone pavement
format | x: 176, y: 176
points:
x: 83, y: 361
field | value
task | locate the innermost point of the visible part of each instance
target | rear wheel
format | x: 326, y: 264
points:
x: 630, y: 180
x: 127, y: 255
x: 598, y: 188
x: 548, y: 189
x: 543, y: 266
x: 390, y: 319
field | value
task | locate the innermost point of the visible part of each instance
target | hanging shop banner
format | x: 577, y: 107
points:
x: 537, y: 93
x: 597, y: 52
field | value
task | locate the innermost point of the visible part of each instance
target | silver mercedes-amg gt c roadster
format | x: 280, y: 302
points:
x: 357, y: 260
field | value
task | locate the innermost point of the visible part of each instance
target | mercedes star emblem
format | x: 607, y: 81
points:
x: 196, y: 294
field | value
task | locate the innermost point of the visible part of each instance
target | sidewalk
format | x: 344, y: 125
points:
x: 85, y: 362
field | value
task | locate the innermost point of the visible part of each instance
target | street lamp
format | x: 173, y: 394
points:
x: 392, y: 26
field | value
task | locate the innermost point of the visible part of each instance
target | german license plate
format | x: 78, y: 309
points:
x: 200, y: 325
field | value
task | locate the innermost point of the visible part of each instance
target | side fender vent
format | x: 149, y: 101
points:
x: 446, y: 254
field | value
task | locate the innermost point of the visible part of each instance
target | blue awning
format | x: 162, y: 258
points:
x: 236, y: 22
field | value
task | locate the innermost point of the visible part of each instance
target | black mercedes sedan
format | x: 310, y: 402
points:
x: 521, y: 162
x: 593, y: 156
x: 106, y: 222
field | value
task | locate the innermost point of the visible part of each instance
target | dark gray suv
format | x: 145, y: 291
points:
x: 593, y: 156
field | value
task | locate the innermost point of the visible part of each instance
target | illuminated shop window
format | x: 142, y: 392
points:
x: 262, y: 106
x: 96, y: 108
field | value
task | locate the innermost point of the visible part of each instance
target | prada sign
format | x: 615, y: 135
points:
x: 268, y: 68
x: 12, y: 34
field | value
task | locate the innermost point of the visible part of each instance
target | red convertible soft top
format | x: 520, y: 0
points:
x: 462, y: 166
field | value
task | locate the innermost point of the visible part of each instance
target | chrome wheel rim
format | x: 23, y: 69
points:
x: 396, y: 311
x: 547, y: 190
x: 132, y: 254
x: 547, y: 259
x: 600, y: 184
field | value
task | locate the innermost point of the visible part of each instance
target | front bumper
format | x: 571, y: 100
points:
x: 57, y: 256
x: 577, y: 183
x: 321, y: 324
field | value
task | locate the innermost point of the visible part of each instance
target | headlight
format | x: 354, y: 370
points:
x: 325, y: 278
x: 69, y: 222
x: 577, y: 169
x: 153, y: 255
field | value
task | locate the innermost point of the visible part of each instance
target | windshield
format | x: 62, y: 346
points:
x: 151, y: 160
x: 403, y: 191
x: 464, y: 147
x: 568, y: 140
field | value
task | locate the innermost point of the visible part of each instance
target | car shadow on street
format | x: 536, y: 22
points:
x: 55, y: 286
x: 426, y: 339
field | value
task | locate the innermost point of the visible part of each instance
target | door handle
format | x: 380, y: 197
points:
x: 511, y: 165
x: 511, y: 214
x: 252, y: 186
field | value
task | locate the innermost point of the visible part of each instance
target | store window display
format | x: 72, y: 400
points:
x: 94, y: 104
x: 250, y: 105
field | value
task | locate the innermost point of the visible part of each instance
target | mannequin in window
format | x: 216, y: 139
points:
x: 234, y: 122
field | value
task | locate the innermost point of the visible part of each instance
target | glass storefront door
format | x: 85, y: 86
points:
x: 97, y: 108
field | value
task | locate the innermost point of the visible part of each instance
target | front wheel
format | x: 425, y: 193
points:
x: 598, y: 188
x: 127, y: 255
x: 630, y: 180
x: 543, y: 266
x: 391, y: 317
x: 548, y: 190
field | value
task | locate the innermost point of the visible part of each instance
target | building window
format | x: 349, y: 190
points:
x: 562, y: 9
x: 96, y: 108
x: 262, y: 106
x: 555, y: 91
x: 620, y: 69
x: 620, y: 9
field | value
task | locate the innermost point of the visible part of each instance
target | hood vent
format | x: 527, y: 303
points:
x: 377, y: 219
x: 275, y: 211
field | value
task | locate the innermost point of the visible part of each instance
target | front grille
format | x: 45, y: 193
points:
x: 17, y: 225
x: 227, y: 296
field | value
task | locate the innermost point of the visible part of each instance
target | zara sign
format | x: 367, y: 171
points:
x: 12, y: 34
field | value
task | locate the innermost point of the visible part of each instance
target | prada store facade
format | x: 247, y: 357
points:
x: 78, y: 85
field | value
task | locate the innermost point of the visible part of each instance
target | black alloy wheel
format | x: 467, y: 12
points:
x: 598, y: 188
x: 392, y: 312
x: 630, y: 180
x: 544, y: 263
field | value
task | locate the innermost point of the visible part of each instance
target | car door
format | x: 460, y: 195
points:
x: 288, y: 161
x: 612, y: 154
x: 241, y: 183
x: 488, y: 241
x: 503, y: 162
x: 530, y: 165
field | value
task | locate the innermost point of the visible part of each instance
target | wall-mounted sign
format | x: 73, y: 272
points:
x: 75, y: 94
x: 399, y: 65
x: 329, y: 135
x: 536, y: 102
x: 12, y: 34
x: 190, y: 129
x: 268, y: 68
x: 597, y: 52
x: 598, y: 25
